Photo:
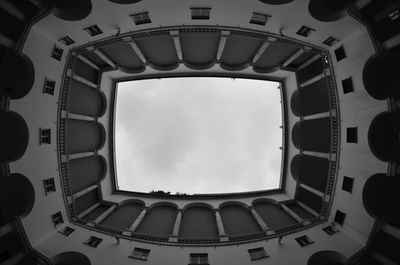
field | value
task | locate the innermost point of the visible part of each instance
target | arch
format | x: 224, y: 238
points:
x: 313, y: 135
x: 159, y: 220
x: 238, y: 52
x: 238, y: 220
x: 384, y: 136
x: 86, y: 171
x: 297, y: 135
x: 199, y: 50
x: 17, y: 75
x: 14, y: 137
x: 295, y: 103
x: 70, y: 258
x: 198, y: 220
x: 234, y: 203
x: 262, y: 70
x: 134, y: 201
x: 314, y: 98
x: 72, y: 10
x: 326, y: 10
x: 381, y: 196
x: 17, y: 197
x: 381, y: 75
x: 124, y: 216
x: 124, y: 2
x: 273, y: 215
x: 132, y: 70
x: 199, y: 66
x: 327, y: 257
x: 276, y: 2
x: 84, y: 136
x: 163, y: 203
x: 198, y: 204
x: 264, y: 200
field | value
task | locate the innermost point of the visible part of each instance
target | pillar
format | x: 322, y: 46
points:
x: 221, y: 230
x: 177, y: 226
x: 261, y: 222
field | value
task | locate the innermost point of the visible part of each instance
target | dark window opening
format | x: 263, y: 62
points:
x: 259, y: 19
x: 347, y: 184
x: 199, y: 258
x: 304, y: 31
x: 200, y: 13
x: 93, y: 30
x: 257, y: 253
x: 347, y: 85
x: 340, y: 53
x: 49, y: 185
x: 330, y: 230
x: 140, y: 253
x: 330, y: 41
x: 57, y: 53
x: 304, y: 241
x: 67, y: 231
x: 339, y: 217
x: 66, y: 40
x: 352, y: 135
x: 45, y: 136
x: 57, y: 219
x: 48, y: 87
x: 141, y: 18
x: 93, y: 241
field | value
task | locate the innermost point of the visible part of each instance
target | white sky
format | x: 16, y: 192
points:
x: 198, y: 135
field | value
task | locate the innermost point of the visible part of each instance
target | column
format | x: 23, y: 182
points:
x: 137, y: 222
x: 104, y: 215
x: 261, y: 222
x: 391, y: 230
x: 221, y: 230
x: 294, y: 215
x: 84, y: 191
x: 88, y: 210
x: 308, y: 209
x: 177, y: 226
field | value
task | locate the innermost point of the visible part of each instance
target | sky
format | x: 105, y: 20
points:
x: 198, y: 135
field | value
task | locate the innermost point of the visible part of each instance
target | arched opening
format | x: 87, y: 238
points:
x: 238, y: 220
x: 124, y: 216
x: 312, y: 135
x: 276, y: 2
x: 159, y: 221
x: 327, y: 257
x: 84, y: 136
x: 72, y: 10
x: 295, y: 103
x: 327, y: 10
x: 70, y: 258
x: 198, y: 221
x: 274, y: 216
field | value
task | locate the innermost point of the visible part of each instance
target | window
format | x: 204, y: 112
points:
x: 339, y: 217
x: 93, y: 241
x: 57, y: 219
x: 352, y: 135
x: 340, y: 53
x: 304, y: 241
x: 141, y: 18
x: 259, y: 19
x: 330, y: 230
x: 304, y: 31
x: 347, y: 184
x: 140, y: 253
x: 347, y: 85
x: 200, y: 13
x: 48, y: 87
x: 57, y: 53
x: 49, y: 185
x: 199, y: 258
x: 93, y: 30
x: 66, y: 40
x: 45, y: 136
x: 66, y: 231
x: 330, y: 41
x: 257, y: 253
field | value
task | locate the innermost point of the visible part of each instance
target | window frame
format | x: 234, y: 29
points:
x: 198, y: 259
x: 57, y: 219
x: 346, y: 182
x: 93, y: 30
x: 93, y: 241
x: 352, y: 135
x: 140, y: 253
x: 66, y: 231
x: 44, y: 136
x: 304, y: 241
x: 259, y: 19
x: 49, y: 187
x: 304, y: 31
x: 200, y: 13
x: 339, y: 217
x: 257, y: 253
x: 347, y: 85
x: 57, y: 53
x: 330, y: 230
x: 66, y: 40
x: 330, y: 41
x: 340, y: 53
x: 49, y: 86
x: 141, y: 18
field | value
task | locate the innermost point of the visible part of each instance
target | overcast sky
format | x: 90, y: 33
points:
x: 198, y: 135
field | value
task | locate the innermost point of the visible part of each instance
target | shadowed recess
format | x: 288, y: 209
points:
x: 86, y: 100
x: 310, y: 170
x: 199, y: 50
x: 72, y: 10
x: 327, y: 10
x: 239, y: 51
x: 159, y: 221
x: 198, y: 221
x: 70, y: 258
x: 274, y: 216
x: 84, y: 136
x: 238, y: 221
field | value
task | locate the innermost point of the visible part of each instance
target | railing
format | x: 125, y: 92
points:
x: 198, y: 240
x: 246, y: 237
x: 150, y: 237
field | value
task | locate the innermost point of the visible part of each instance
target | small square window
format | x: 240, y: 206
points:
x: 347, y: 184
x: 66, y: 231
x: 200, y: 13
x: 49, y: 185
x: 93, y: 30
x: 352, y: 135
x: 66, y: 40
x: 57, y: 219
x: 257, y: 253
x: 339, y: 217
x: 259, y: 19
x: 340, y: 53
x: 304, y: 31
x: 304, y: 241
x: 45, y: 136
x: 48, y: 87
x: 330, y: 41
x: 330, y: 230
x: 347, y: 85
x: 93, y: 241
x: 57, y: 53
x: 140, y: 253
x: 199, y: 258
x: 141, y: 18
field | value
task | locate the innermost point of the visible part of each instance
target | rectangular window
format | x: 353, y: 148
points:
x: 259, y: 19
x: 304, y: 31
x: 93, y: 241
x: 304, y: 241
x: 199, y: 258
x: 66, y: 231
x: 340, y: 53
x: 257, y: 253
x: 339, y: 217
x: 330, y: 41
x: 57, y: 219
x: 48, y: 87
x: 45, y: 136
x: 140, y: 253
x: 352, y: 135
x: 57, y: 53
x: 141, y: 18
x: 93, y: 30
x: 330, y: 230
x: 66, y: 40
x: 200, y: 13
x: 347, y: 184
x: 49, y: 185
x: 347, y: 85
